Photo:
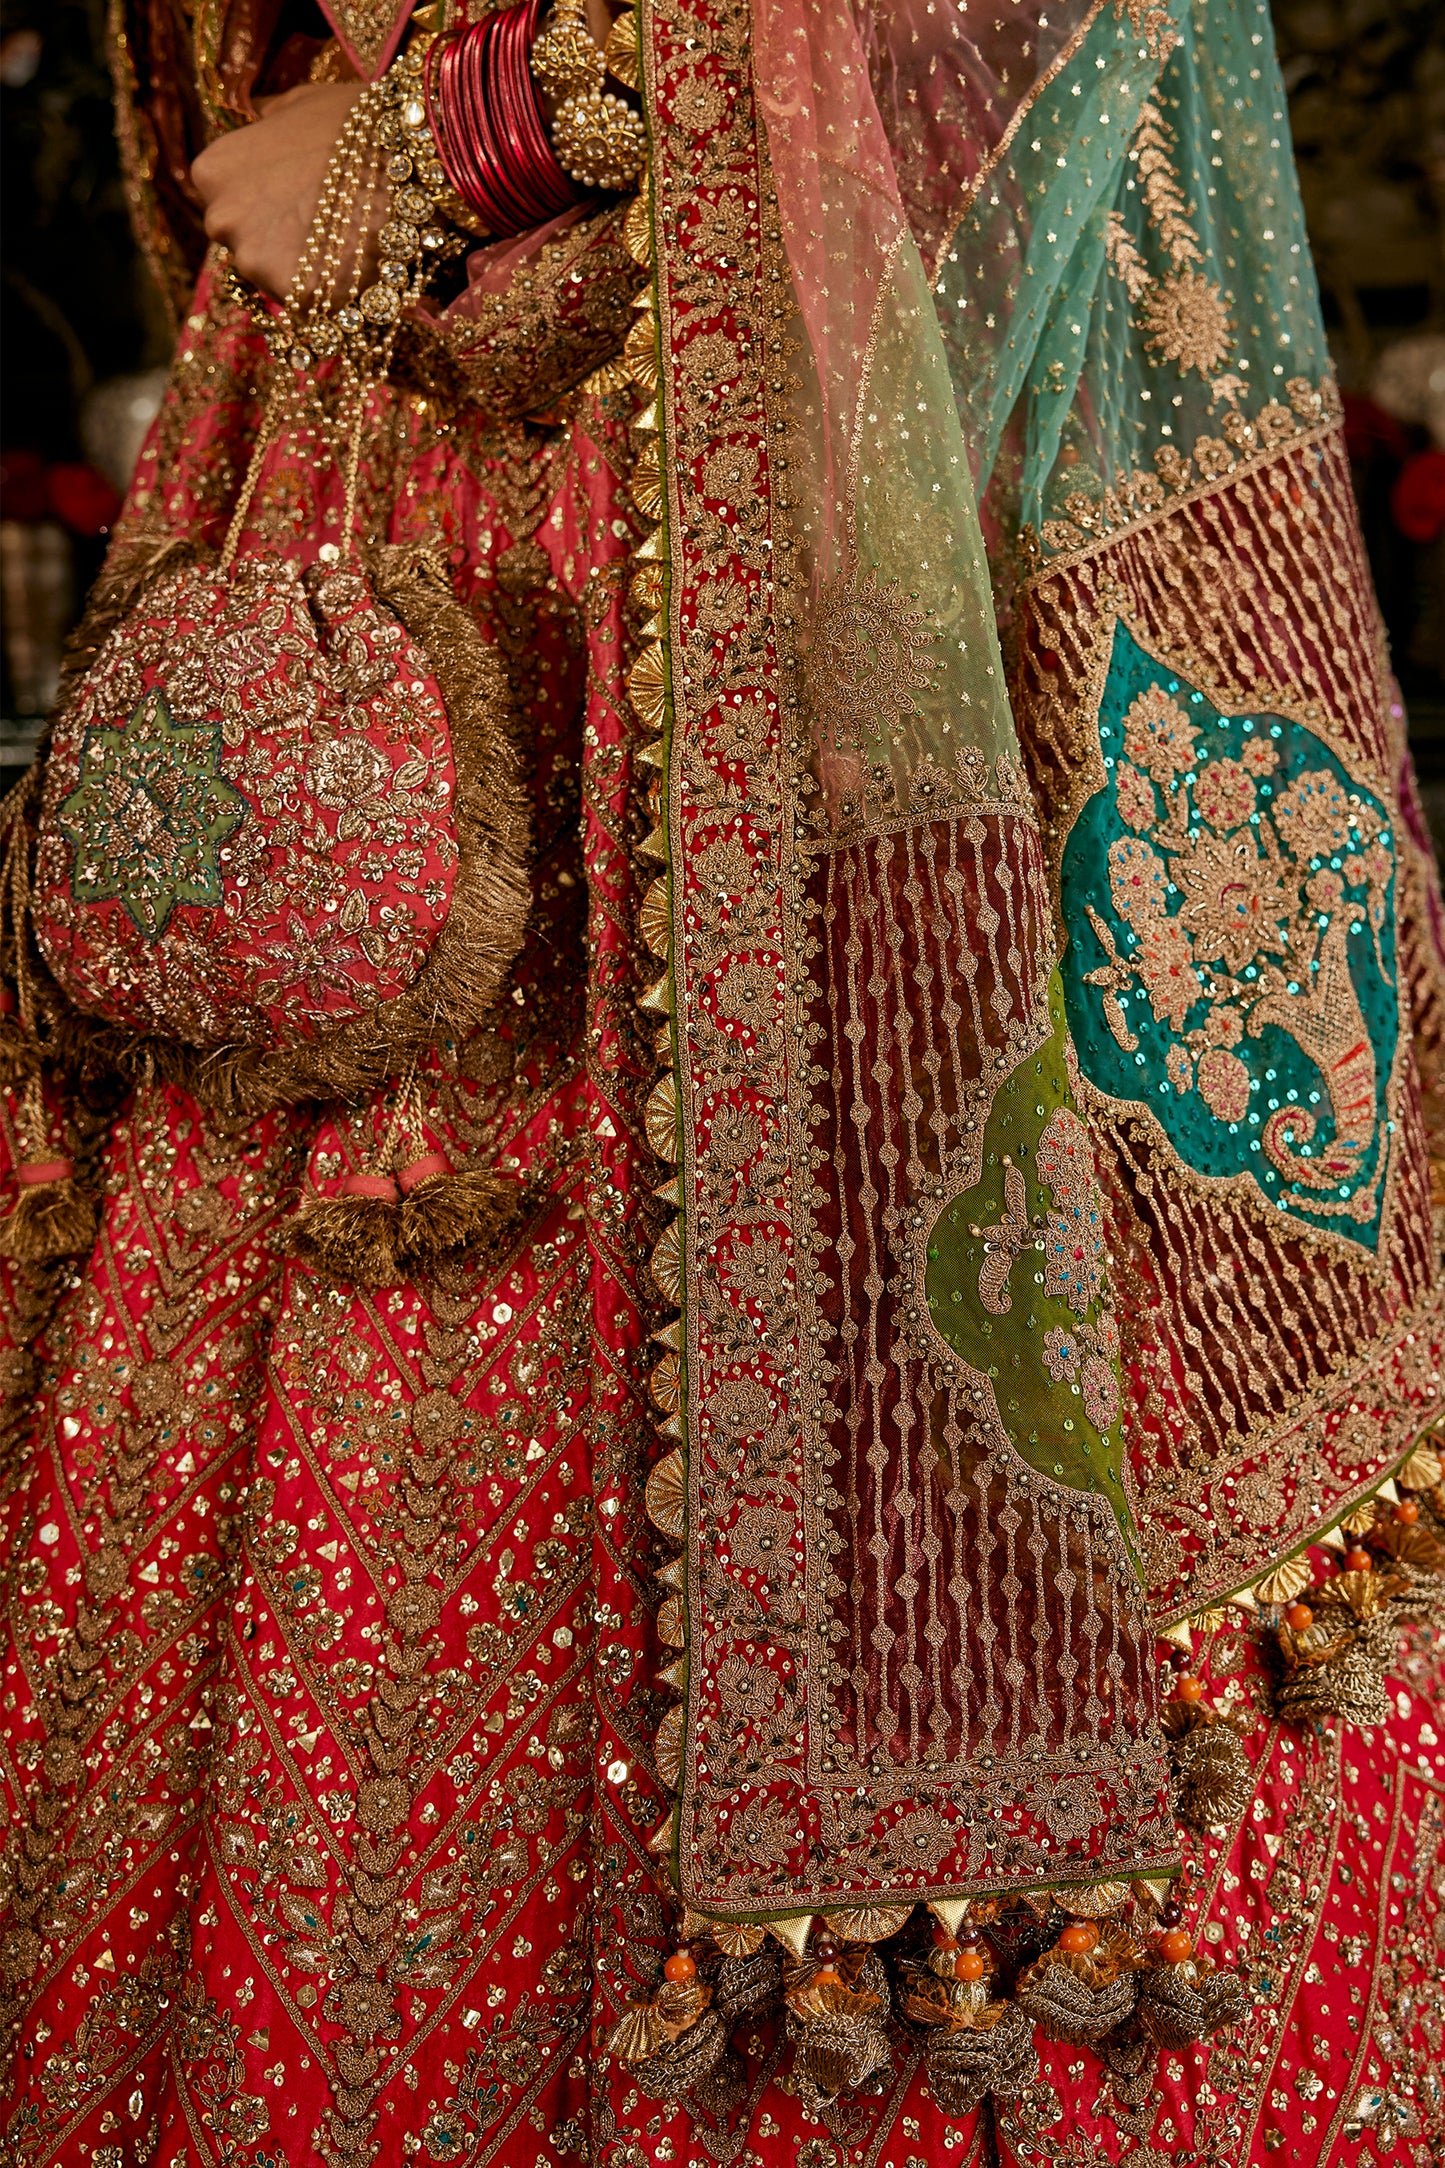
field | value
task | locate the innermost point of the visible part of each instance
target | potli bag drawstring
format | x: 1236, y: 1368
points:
x: 52, y: 1217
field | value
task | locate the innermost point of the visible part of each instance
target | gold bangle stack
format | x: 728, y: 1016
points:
x: 598, y: 137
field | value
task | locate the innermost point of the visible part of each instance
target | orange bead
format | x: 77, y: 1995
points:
x: 1298, y: 1616
x: 1408, y: 1511
x: 680, y: 1966
x: 1189, y: 1688
x: 968, y: 1965
x: 1175, y: 1946
x: 1079, y: 1937
x: 827, y: 1976
x: 1358, y: 1560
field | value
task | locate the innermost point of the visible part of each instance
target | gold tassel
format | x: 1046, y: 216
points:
x: 837, y: 2011
x: 1079, y: 1992
x: 1212, y: 1776
x: 353, y: 1235
x: 52, y: 1216
x: 448, y: 1211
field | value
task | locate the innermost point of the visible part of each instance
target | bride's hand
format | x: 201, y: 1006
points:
x: 259, y: 184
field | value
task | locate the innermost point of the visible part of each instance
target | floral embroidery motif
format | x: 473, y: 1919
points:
x: 869, y: 658
x: 149, y: 815
x: 1184, y: 316
x: 1232, y: 905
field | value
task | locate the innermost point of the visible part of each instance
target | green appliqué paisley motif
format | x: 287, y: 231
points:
x: 149, y: 814
x: 1016, y: 1280
x: 1230, y: 969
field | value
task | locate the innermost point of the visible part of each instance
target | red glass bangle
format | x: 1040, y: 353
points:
x: 487, y: 121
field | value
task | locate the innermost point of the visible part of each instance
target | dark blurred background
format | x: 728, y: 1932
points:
x: 85, y: 338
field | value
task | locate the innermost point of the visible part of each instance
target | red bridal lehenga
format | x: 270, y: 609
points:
x: 888, y: 1613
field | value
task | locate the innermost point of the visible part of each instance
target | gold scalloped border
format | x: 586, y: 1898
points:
x: 665, y: 1494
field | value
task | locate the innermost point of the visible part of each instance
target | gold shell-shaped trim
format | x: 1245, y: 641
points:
x: 644, y: 484
x: 668, y: 1748
x: 868, y: 1923
x: 1285, y: 1582
x: 637, y: 227
x: 667, y: 1263
x: 1423, y: 1470
x: 647, y: 686
x: 645, y: 593
x: 620, y: 51
x: 666, y: 1383
x: 673, y: 1574
x: 666, y: 1496
x: 672, y: 1622
x: 735, y: 1938
x: 654, y: 919
x: 660, y: 1117
x: 658, y: 999
x: 1357, y: 1522
x: 639, y: 353
x: 1094, y: 1903
x: 638, y: 2034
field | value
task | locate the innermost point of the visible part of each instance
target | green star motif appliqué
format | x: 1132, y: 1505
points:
x: 149, y: 815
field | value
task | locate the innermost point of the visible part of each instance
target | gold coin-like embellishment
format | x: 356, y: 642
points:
x: 645, y: 481
x: 639, y: 351
x: 1423, y: 1470
x: 666, y: 1382
x: 621, y: 53
x: 667, y: 1263
x: 647, y: 686
x: 637, y: 230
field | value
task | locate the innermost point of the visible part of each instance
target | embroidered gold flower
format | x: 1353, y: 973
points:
x: 1314, y: 815
x: 868, y: 659
x: 1138, y: 807
x: 1224, y: 794
x: 1158, y: 735
x: 1236, y: 903
x: 1186, y: 321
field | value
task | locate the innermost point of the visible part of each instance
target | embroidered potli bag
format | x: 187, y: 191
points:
x: 278, y: 844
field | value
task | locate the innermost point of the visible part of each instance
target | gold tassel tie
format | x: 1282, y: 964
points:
x: 51, y: 1218
x: 354, y: 1234
x: 1080, y: 1989
x: 975, y: 2043
x: 447, y: 1211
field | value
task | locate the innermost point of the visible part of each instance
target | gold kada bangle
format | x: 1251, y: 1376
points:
x: 598, y: 137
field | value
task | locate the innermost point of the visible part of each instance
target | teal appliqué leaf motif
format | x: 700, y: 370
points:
x: 1231, y: 966
x: 148, y: 817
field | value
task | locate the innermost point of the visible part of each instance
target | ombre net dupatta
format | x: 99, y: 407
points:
x: 1048, y: 942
